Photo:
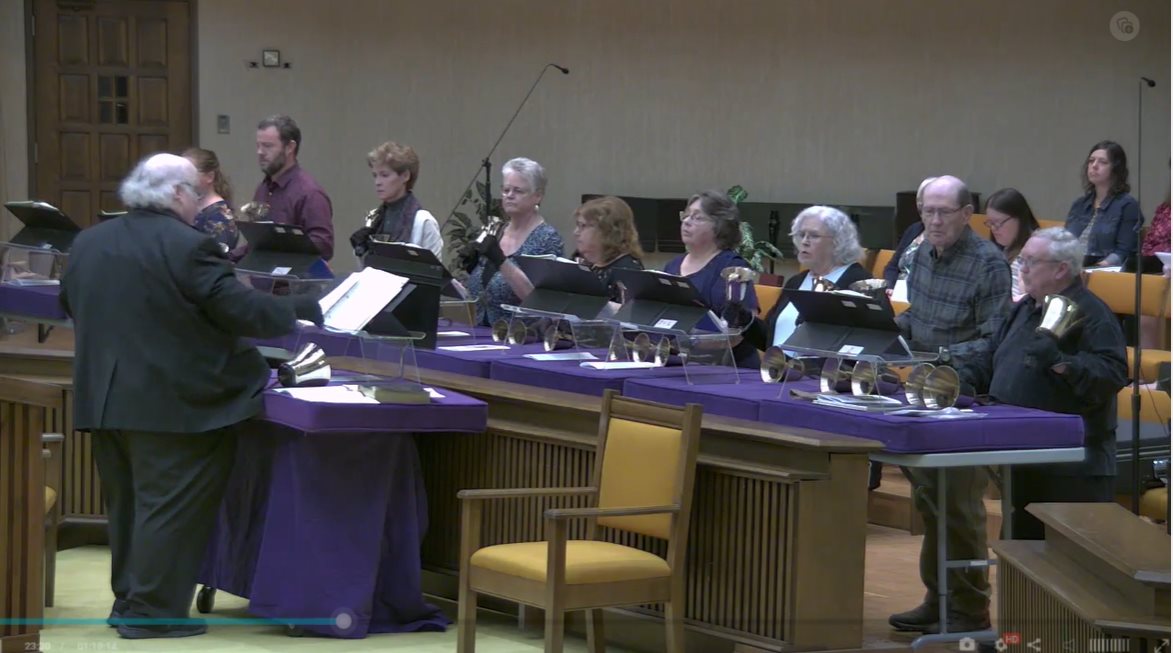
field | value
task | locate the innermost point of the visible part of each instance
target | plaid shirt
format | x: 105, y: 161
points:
x: 957, y: 299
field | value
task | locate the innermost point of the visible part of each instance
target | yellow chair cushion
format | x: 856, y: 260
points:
x: 640, y: 468
x: 767, y: 297
x: 587, y: 561
x: 50, y: 499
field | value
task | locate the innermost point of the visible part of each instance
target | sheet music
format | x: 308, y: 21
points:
x: 359, y: 298
x: 900, y: 291
x: 328, y: 394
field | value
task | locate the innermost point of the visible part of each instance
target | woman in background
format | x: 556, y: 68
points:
x: 494, y: 278
x: 710, y: 228
x: 215, y: 198
x: 1011, y: 222
x: 400, y: 218
x: 1105, y: 217
x: 901, y: 261
x: 606, y: 240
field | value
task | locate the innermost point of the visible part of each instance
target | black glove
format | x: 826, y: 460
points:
x: 306, y: 307
x: 359, y: 239
x: 1043, y: 350
x: 736, y: 315
x: 467, y: 258
x: 490, y: 248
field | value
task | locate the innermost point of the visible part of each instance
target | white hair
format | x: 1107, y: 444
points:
x: 843, y: 232
x: 920, y: 191
x: 153, y: 181
x: 533, y: 172
x: 1063, y: 247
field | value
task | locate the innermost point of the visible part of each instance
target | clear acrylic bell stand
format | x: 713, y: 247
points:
x: 706, y: 357
x: 25, y: 266
x: 564, y: 331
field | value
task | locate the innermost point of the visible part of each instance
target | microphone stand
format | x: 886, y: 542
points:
x: 1136, y: 355
x: 486, y: 164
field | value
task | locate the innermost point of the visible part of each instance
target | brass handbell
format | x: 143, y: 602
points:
x: 942, y: 388
x: 493, y: 228
x: 557, y: 337
x: 309, y: 367
x: 500, y: 330
x: 874, y: 288
x: 868, y: 378
x: 1059, y: 315
x: 836, y: 375
x: 737, y: 282
x: 777, y: 367
x: 915, y: 384
x: 520, y: 333
x: 253, y: 212
x: 642, y: 349
x: 823, y: 284
x: 663, y: 352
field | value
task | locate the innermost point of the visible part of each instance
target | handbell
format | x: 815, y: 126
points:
x: 500, y: 331
x: 823, y: 284
x: 915, y: 384
x: 663, y: 352
x: 868, y: 378
x: 557, y: 337
x: 777, y: 367
x: 874, y: 288
x: 253, y: 212
x: 1059, y: 315
x: 520, y: 333
x: 737, y: 282
x: 642, y: 349
x: 942, y: 388
x: 309, y: 367
x: 493, y: 228
x: 836, y: 375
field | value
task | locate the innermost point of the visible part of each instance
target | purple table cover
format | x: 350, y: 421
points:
x: 1003, y: 427
x: 321, y: 526
x: 32, y: 301
x: 570, y: 376
x: 470, y: 363
x: 718, y: 392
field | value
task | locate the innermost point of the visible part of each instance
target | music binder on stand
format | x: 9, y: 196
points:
x: 281, y: 250
x: 45, y: 227
x: 417, y: 307
x: 848, y: 325
x: 563, y: 286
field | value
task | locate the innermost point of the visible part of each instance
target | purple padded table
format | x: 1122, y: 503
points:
x: 570, y: 376
x: 325, y: 512
x: 718, y: 394
x: 1003, y: 427
x: 33, y: 302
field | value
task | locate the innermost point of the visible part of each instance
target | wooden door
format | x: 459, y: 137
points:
x: 112, y: 84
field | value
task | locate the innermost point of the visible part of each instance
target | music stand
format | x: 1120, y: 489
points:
x: 847, y: 325
x: 417, y: 308
x: 278, y: 250
x: 563, y: 286
x: 45, y: 226
x: 659, y: 300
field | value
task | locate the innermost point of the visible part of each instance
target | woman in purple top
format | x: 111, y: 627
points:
x: 710, y: 227
x: 215, y: 198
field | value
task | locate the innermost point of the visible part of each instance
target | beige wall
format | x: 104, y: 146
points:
x: 812, y: 101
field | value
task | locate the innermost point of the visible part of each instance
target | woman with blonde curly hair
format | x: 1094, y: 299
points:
x: 401, y: 219
x: 606, y: 239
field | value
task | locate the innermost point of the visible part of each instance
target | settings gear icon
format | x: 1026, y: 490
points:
x: 1001, y: 645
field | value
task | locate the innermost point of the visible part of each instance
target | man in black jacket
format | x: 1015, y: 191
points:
x: 161, y: 379
x: 1079, y: 373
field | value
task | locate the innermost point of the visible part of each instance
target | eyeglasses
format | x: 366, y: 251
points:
x: 808, y: 235
x: 513, y: 190
x: 694, y: 217
x: 994, y: 226
x: 1028, y: 262
x: 929, y: 214
x: 583, y: 226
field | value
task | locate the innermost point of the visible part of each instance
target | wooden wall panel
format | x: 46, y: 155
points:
x: 113, y: 45
x: 73, y: 46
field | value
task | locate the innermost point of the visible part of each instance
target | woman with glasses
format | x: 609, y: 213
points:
x: 495, y: 279
x: 1011, y: 222
x: 828, y: 248
x: 1106, y: 216
x: 710, y: 227
x: 606, y: 240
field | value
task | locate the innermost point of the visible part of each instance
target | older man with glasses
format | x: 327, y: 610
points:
x: 1077, y: 371
x: 959, y: 294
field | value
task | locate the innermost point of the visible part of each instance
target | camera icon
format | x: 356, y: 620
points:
x: 1124, y: 26
x: 967, y: 644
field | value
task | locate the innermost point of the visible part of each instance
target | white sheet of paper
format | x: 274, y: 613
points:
x: 473, y: 347
x: 359, y: 298
x: 900, y: 291
x: 450, y: 334
x: 1164, y: 256
x: 328, y: 394
x: 563, y: 356
x: 1108, y: 268
x: 617, y: 365
x: 433, y: 394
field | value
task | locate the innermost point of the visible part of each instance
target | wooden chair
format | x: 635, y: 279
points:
x: 1045, y: 224
x: 1154, y: 406
x: 767, y: 297
x: 977, y: 222
x: 1118, y: 291
x: 52, y: 453
x: 645, y: 464
x: 1150, y: 359
x: 881, y: 261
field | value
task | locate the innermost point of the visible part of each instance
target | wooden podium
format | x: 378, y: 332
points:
x: 27, y: 409
x: 1099, y: 582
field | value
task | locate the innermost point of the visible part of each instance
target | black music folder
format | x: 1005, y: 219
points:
x: 563, y: 286
x: 660, y: 300
x: 417, y: 308
x: 278, y: 250
x: 846, y: 324
x: 45, y: 226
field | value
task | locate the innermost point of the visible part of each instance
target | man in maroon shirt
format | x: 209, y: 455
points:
x: 293, y: 196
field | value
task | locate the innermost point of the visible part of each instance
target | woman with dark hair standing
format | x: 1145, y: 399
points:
x: 1106, y: 217
x: 710, y: 228
x: 215, y: 198
x: 1011, y: 222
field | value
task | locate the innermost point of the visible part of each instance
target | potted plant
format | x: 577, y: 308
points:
x: 466, y: 222
x: 756, y: 252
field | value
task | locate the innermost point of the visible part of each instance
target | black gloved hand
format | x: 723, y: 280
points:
x: 490, y: 248
x: 736, y: 315
x: 467, y: 258
x: 306, y: 307
x: 1043, y: 350
x: 359, y: 240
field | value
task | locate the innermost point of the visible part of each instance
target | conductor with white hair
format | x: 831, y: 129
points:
x: 162, y: 379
